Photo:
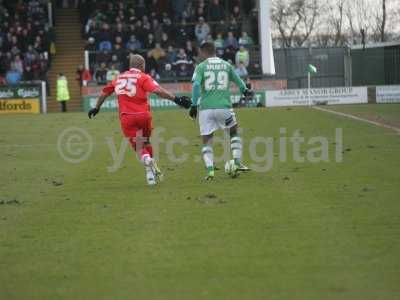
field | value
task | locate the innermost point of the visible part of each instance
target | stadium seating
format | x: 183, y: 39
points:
x: 166, y: 33
x: 26, y: 41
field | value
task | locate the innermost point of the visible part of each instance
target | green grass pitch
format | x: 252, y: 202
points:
x: 323, y: 230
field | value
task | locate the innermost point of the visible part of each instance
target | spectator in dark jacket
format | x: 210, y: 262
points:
x: 104, y: 34
x: 103, y: 57
x: 234, y: 26
x: 168, y: 72
x: 150, y: 43
x: 236, y: 13
x: 171, y: 55
x: 178, y: 7
x: 119, y: 52
x: 28, y: 73
x: 183, y: 34
x: 133, y: 44
x: 183, y: 70
x: 118, y: 41
x: 216, y: 11
x: 165, y: 42
x: 120, y: 32
x: 231, y: 41
x: 167, y: 25
x: 101, y: 74
x: 190, y: 50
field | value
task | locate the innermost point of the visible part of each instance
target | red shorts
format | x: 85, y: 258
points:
x: 132, y: 125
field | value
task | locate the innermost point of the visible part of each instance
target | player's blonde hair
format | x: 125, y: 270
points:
x: 137, y: 61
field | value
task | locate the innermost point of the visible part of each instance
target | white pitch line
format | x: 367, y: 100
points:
x: 349, y: 116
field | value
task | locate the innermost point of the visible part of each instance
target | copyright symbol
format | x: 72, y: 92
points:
x: 74, y: 145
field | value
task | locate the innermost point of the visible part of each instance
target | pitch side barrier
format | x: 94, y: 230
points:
x: 271, y: 97
x: 90, y: 94
x: 27, y: 98
x: 333, y: 96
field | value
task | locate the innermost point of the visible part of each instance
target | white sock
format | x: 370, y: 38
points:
x: 146, y: 160
x: 150, y: 176
x: 236, y: 148
x: 208, y: 156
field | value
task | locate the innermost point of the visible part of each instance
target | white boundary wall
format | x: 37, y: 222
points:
x: 388, y: 94
x: 328, y: 96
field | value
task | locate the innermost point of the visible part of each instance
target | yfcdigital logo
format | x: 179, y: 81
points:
x: 75, y: 145
x: 314, y: 149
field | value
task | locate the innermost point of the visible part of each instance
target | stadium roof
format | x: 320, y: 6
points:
x: 375, y: 45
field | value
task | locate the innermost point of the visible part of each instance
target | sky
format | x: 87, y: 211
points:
x: 362, y: 13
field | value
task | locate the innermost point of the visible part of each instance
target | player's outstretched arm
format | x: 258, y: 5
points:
x: 94, y: 111
x: 241, y: 85
x: 182, y: 101
x: 238, y: 81
x: 195, y: 98
x: 107, y: 91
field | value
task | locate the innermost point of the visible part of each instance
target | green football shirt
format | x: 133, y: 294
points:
x: 214, y: 76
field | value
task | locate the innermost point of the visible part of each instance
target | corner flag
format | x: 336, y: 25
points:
x: 312, y: 69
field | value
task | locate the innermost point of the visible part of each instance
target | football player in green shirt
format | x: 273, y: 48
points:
x: 211, y: 100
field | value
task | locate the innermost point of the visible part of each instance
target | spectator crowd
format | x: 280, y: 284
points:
x: 26, y: 41
x: 167, y: 33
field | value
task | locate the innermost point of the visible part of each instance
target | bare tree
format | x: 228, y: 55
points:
x: 371, y: 16
x: 309, y: 13
x: 359, y: 17
x: 295, y: 20
x: 353, y: 31
x: 322, y: 39
x: 286, y: 19
x: 381, y: 17
x: 336, y: 22
x: 391, y: 27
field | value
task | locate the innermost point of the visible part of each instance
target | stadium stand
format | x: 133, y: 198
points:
x: 69, y: 57
x: 27, y: 42
x: 167, y: 34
